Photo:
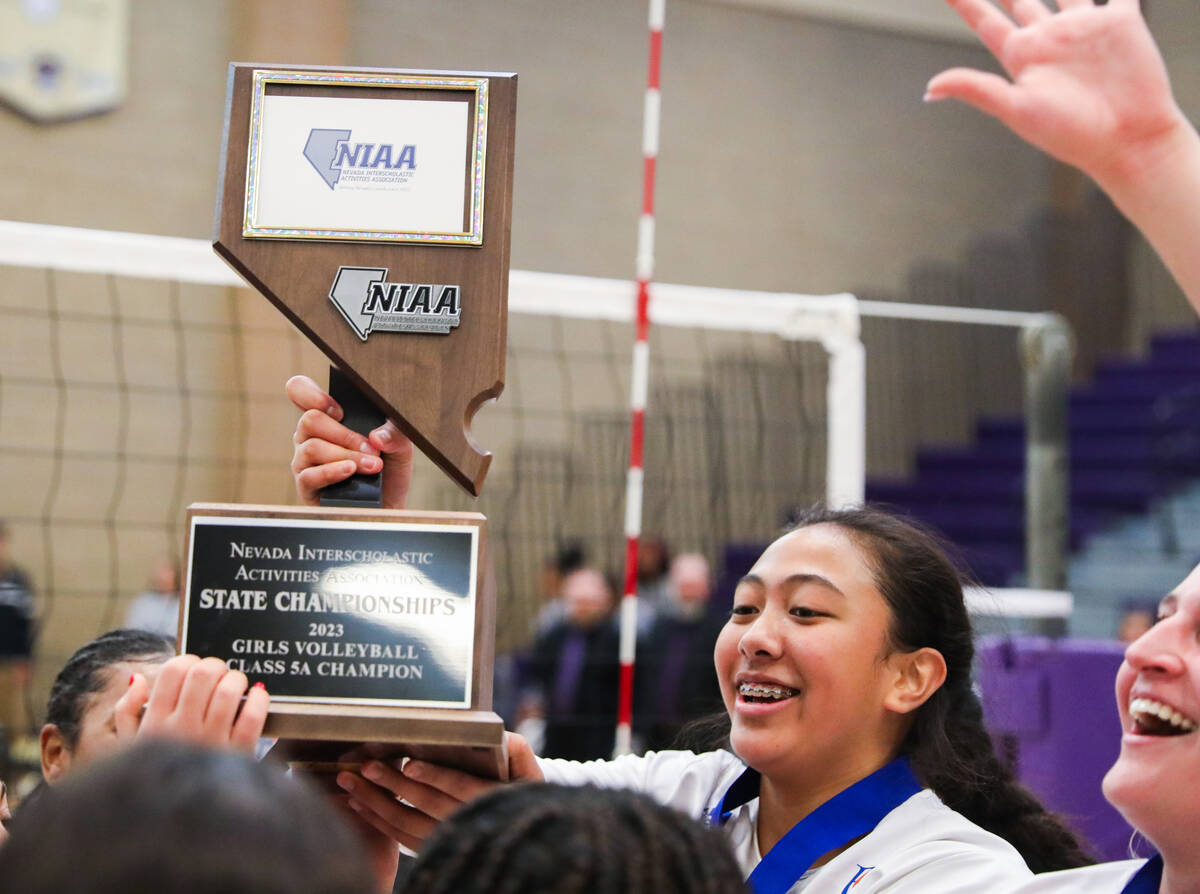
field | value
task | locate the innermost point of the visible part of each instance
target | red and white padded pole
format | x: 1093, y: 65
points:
x: 639, y: 387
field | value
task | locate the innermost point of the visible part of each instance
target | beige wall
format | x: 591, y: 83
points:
x: 795, y: 154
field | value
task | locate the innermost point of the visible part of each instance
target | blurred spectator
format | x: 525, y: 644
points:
x: 16, y: 640
x: 156, y: 608
x: 675, y: 678
x: 653, y: 568
x: 1136, y: 618
x: 575, y: 663
x: 540, y: 838
x: 171, y: 817
x: 569, y: 557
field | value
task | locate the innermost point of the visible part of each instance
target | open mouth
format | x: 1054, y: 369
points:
x: 1153, y: 718
x: 764, y: 693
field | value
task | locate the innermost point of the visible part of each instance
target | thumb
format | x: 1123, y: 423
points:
x: 127, y: 713
x: 388, y: 439
x: 522, y: 763
x: 990, y: 93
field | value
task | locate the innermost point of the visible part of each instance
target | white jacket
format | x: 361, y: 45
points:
x: 921, y: 846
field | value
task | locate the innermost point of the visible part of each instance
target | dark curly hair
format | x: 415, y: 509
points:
x: 537, y: 837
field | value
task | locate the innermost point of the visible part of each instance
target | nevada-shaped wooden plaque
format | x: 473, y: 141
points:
x: 373, y: 208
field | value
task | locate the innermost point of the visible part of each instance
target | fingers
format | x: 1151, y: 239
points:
x: 310, y: 481
x: 223, y: 706
x: 1030, y: 12
x: 127, y: 712
x: 248, y: 727
x: 197, y: 692
x: 315, y: 452
x: 308, y: 395
x: 1072, y: 4
x: 435, y: 791
x: 392, y: 832
x: 165, y: 694
x: 987, y: 92
x: 200, y: 701
x: 446, y: 788
x: 328, y: 452
x: 317, y: 424
x: 379, y: 807
x: 992, y: 26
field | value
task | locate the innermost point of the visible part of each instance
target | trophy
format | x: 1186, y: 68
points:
x: 373, y: 208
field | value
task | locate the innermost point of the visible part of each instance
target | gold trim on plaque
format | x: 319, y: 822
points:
x: 476, y: 155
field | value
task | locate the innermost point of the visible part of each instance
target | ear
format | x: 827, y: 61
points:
x: 915, y: 677
x: 56, y: 756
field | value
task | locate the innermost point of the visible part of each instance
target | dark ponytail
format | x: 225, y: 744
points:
x: 949, y: 748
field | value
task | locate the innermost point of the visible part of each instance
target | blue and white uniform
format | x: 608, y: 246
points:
x: 919, y: 846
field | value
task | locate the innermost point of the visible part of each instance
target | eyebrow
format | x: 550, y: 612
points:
x: 792, y: 581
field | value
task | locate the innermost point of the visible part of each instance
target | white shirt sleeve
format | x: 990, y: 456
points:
x: 681, y: 779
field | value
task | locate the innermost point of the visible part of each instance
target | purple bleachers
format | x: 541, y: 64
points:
x: 1124, y: 454
x: 1049, y: 705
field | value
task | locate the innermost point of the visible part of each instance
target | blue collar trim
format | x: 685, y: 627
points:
x: 1147, y: 879
x: 848, y: 815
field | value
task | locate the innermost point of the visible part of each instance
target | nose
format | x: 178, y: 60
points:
x: 762, y: 639
x: 1157, y: 651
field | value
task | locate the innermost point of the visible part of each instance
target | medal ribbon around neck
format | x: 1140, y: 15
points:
x: 848, y: 815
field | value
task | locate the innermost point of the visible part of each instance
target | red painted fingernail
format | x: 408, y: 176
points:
x: 260, y: 685
x: 131, y: 676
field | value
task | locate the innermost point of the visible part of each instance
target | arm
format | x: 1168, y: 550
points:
x: 1088, y: 86
x: 327, y: 452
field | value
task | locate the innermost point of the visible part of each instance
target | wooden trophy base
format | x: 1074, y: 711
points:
x: 316, y: 739
x: 373, y: 630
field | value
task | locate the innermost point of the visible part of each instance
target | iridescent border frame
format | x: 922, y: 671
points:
x: 477, y: 153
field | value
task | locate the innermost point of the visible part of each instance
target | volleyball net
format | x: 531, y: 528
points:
x: 138, y: 374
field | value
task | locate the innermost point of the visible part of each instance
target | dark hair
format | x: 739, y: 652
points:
x: 84, y: 674
x: 165, y: 816
x: 569, y: 556
x: 948, y: 746
x: 538, y: 837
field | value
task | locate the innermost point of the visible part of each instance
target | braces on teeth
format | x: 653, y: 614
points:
x: 757, y: 690
x: 1149, y: 707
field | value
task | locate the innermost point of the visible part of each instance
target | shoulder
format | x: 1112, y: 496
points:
x: 685, y: 780
x: 1099, y: 879
x: 925, y: 846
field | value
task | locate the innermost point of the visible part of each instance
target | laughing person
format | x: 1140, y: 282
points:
x: 857, y: 750
x: 1087, y: 85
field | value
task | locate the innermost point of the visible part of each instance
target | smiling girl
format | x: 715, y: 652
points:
x: 1152, y: 782
x: 857, y: 755
x: 858, y: 752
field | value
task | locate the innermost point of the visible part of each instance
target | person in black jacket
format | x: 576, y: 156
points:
x: 575, y: 663
x: 675, y: 679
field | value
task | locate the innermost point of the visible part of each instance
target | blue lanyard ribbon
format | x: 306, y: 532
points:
x: 848, y: 815
x: 1147, y: 879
